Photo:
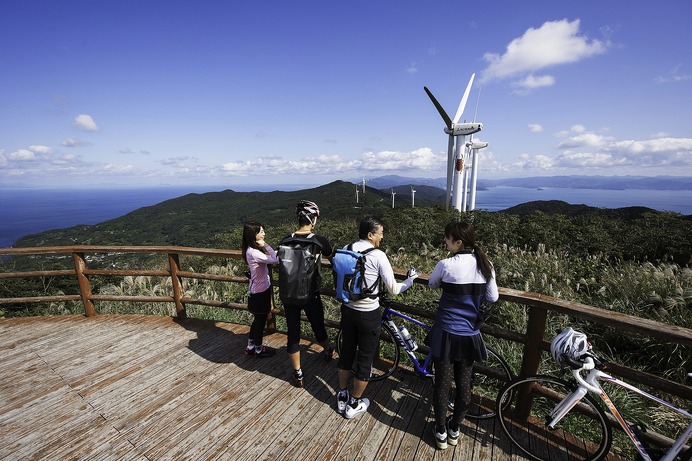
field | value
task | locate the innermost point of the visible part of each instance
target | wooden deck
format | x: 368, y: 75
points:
x: 133, y: 387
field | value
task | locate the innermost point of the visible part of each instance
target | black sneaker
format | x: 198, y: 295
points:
x: 264, y: 352
x: 328, y: 353
x: 341, y: 401
x: 298, y: 379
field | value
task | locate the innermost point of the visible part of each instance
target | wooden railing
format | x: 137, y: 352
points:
x: 533, y: 339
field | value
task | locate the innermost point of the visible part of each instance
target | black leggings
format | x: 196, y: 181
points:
x: 461, y: 372
x: 257, y: 328
x: 259, y: 304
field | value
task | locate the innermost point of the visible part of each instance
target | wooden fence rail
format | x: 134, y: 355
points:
x: 533, y: 340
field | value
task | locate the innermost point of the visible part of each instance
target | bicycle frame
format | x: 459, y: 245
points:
x: 590, y: 383
x: 421, y: 368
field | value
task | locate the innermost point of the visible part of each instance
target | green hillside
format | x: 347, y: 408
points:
x: 195, y: 219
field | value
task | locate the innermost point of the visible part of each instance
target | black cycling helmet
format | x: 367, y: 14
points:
x: 308, y: 209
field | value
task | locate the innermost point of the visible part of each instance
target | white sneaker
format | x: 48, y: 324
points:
x: 361, y: 408
x: 452, y: 436
x: 341, y: 401
x: 440, y: 439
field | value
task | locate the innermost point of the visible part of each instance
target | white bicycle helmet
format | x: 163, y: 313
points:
x: 308, y: 209
x: 572, y: 343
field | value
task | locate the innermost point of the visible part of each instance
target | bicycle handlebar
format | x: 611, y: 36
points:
x: 588, y: 365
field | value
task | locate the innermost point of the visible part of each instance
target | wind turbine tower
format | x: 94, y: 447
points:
x: 475, y: 146
x: 413, y: 197
x: 363, y: 184
x: 393, y: 194
x: 356, y: 193
x: 456, y: 131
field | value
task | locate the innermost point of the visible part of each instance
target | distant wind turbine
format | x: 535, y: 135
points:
x: 393, y: 194
x: 413, y: 197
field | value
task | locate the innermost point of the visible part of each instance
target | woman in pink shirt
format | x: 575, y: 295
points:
x: 258, y: 255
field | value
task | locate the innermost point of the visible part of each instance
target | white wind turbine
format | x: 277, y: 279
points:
x: 413, y: 197
x: 393, y: 194
x: 456, y: 132
x: 474, y: 146
x: 472, y: 151
x: 356, y: 193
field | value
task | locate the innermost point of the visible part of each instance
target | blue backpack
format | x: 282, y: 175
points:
x: 348, y: 268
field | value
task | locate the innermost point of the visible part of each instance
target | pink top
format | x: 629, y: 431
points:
x: 259, y: 270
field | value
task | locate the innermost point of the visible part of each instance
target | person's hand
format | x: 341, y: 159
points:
x: 412, y: 273
x: 261, y: 243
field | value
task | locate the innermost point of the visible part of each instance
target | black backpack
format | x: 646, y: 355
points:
x: 300, y: 260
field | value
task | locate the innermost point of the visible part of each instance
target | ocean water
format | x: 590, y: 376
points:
x: 500, y: 198
x: 28, y: 211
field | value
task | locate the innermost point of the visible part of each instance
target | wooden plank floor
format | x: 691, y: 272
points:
x: 150, y: 388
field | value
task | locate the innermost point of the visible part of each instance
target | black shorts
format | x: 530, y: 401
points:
x: 360, y: 333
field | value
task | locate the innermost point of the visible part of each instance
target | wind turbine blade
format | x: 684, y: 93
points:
x: 462, y: 104
x: 442, y: 112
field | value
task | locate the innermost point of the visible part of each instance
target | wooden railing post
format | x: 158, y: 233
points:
x: 271, y: 318
x: 84, y: 284
x: 535, y: 330
x: 177, y: 282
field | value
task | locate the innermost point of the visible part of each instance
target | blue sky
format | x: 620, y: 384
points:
x: 234, y: 93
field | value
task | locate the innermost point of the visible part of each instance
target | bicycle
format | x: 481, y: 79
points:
x: 489, y: 376
x: 543, y: 425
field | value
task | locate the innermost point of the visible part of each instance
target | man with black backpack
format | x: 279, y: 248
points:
x: 361, y: 321
x: 300, y: 256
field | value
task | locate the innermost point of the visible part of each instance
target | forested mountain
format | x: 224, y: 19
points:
x: 194, y: 219
x: 213, y: 220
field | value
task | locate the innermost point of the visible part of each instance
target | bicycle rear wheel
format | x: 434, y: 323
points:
x: 582, y: 435
x: 489, y: 377
x: 386, y: 358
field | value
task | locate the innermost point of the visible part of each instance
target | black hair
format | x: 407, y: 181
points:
x: 304, y: 219
x: 250, y: 231
x: 368, y: 224
x: 464, y: 231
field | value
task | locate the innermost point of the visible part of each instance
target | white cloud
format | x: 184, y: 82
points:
x: 45, y: 150
x: 412, y: 69
x: 22, y: 155
x: 660, y: 134
x: 385, y: 161
x: 535, y: 127
x: 532, y: 82
x: 585, y: 140
x: 674, y: 76
x: 554, y: 43
x: 73, y: 142
x: 85, y: 123
x: 591, y: 152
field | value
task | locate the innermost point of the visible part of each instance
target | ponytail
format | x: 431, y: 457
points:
x: 464, y: 231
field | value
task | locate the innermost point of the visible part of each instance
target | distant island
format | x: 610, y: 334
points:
x: 536, y: 182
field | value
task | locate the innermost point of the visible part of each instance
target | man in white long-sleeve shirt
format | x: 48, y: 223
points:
x: 361, y: 320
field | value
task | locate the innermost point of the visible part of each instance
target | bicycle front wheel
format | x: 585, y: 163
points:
x: 523, y: 407
x: 489, y: 377
x: 386, y: 357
